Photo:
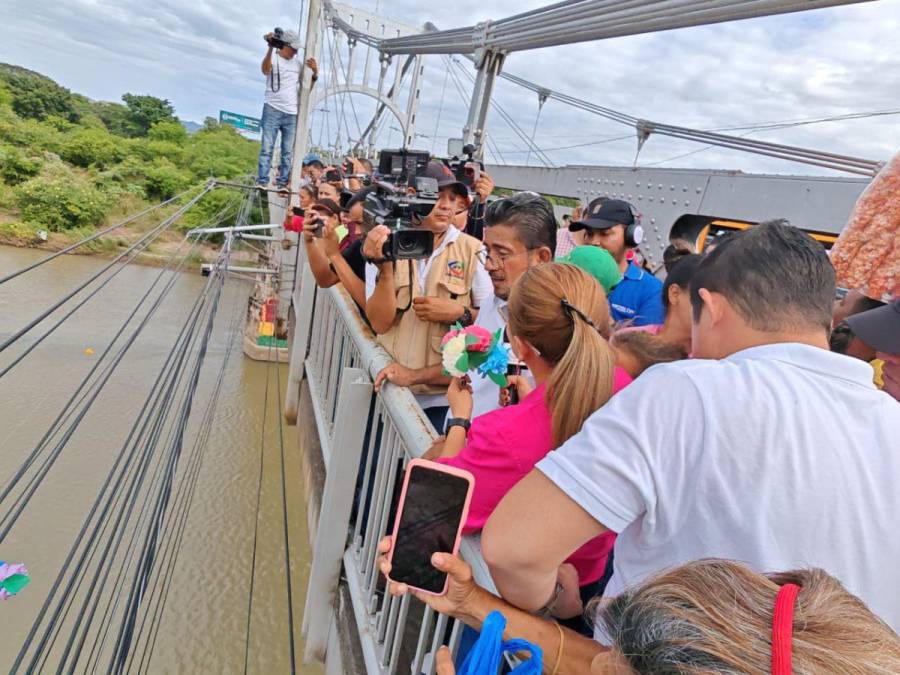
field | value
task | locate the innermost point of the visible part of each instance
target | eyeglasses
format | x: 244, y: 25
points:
x: 498, y: 260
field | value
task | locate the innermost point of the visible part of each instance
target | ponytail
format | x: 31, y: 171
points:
x: 563, y: 313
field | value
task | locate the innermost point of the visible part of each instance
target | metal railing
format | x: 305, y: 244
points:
x: 366, y: 441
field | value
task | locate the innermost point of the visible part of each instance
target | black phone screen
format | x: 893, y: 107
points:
x: 429, y: 521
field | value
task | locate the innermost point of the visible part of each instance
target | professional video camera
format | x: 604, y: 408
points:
x: 402, y: 198
x: 276, y: 40
x: 468, y: 170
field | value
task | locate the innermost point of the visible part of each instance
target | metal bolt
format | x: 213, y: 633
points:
x: 687, y: 203
x: 671, y: 187
x: 653, y: 220
x: 622, y: 183
x: 699, y: 190
x: 660, y: 186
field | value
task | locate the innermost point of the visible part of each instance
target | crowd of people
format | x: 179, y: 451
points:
x: 679, y: 461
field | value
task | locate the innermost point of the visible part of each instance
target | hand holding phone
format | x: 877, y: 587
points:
x: 431, y: 514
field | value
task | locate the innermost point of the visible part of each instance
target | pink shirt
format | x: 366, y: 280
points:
x: 503, y: 446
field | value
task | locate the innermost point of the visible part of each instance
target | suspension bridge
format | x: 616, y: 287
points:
x: 105, y: 603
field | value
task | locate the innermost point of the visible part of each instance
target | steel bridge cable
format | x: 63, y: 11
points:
x: 346, y: 70
x: 179, y: 527
x: 284, y: 514
x: 746, y: 8
x: 151, y: 234
x: 510, y: 121
x: 460, y: 90
x: 109, y: 481
x: 22, y: 500
x: 62, y: 416
x: 570, y: 22
x: 136, y: 482
x: 151, y: 537
x: 262, y: 446
x: 92, y: 237
x: 120, y: 578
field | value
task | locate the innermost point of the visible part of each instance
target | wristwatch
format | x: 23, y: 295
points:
x: 466, y: 318
x: 458, y: 422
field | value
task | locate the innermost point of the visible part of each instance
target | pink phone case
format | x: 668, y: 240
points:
x: 434, y: 466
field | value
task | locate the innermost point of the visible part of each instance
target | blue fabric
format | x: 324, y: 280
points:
x: 486, y: 654
x: 637, y: 298
x: 274, y: 122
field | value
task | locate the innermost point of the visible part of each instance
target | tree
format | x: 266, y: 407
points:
x: 171, y: 132
x: 145, y: 111
x: 37, y: 97
x: 116, y: 117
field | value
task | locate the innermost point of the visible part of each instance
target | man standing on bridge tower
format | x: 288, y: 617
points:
x: 280, y: 109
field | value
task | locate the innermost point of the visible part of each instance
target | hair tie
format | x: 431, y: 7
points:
x: 782, y: 628
x: 571, y: 310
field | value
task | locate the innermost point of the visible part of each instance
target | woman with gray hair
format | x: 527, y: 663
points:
x: 702, y: 618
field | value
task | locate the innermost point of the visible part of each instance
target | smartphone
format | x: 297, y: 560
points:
x: 333, y: 176
x: 297, y: 210
x: 471, y: 173
x: 432, y: 510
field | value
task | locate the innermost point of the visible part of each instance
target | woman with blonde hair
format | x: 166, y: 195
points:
x: 556, y: 315
x: 708, y: 617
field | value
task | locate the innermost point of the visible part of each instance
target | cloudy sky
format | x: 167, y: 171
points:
x: 204, y: 56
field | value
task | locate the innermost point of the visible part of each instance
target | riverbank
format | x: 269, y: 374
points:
x: 157, y: 254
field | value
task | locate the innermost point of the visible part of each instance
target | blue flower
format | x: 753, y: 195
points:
x: 496, y: 362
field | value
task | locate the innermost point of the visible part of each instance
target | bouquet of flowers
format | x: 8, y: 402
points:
x: 475, y: 348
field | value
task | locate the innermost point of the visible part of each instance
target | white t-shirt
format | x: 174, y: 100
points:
x: 282, y: 83
x: 782, y: 457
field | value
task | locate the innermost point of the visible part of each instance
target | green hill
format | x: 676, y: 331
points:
x: 71, y: 163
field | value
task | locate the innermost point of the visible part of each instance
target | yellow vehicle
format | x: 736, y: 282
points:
x: 701, y: 231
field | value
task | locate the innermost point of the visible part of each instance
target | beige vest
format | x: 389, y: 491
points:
x: 417, y: 344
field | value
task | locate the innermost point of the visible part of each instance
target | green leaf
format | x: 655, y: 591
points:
x: 499, y: 379
x: 15, y: 583
x: 462, y: 363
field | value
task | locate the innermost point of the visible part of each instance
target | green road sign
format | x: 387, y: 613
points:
x: 239, y: 121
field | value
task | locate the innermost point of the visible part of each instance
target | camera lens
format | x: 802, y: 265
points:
x: 406, y: 244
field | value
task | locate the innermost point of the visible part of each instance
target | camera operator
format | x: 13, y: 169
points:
x: 330, y: 260
x: 282, y: 71
x: 412, y: 304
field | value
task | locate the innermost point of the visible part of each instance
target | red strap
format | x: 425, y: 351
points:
x: 782, y: 627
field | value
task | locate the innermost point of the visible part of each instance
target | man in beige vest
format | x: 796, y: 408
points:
x: 411, y: 304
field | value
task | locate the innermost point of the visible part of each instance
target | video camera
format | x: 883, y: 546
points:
x: 276, y: 40
x: 467, y: 171
x: 401, y: 200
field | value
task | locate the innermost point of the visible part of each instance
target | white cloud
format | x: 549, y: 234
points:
x: 204, y: 56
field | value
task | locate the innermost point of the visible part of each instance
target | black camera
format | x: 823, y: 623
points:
x: 400, y: 167
x: 333, y: 176
x: 468, y: 170
x: 397, y: 209
x: 276, y: 39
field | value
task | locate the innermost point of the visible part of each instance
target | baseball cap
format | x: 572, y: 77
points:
x: 596, y: 261
x: 603, y: 213
x: 310, y: 158
x: 445, y: 178
x: 359, y: 196
x: 879, y: 328
x: 292, y: 39
x: 328, y: 205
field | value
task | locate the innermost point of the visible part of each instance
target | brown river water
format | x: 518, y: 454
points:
x: 203, y: 628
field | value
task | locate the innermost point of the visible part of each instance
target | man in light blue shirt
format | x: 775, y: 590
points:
x: 612, y: 224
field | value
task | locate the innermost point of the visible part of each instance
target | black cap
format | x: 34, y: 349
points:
x: 879, y: 328
x: 327, y: 205
x: 445, y: 178
x: 359, y: 196
x: 603, y: 213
